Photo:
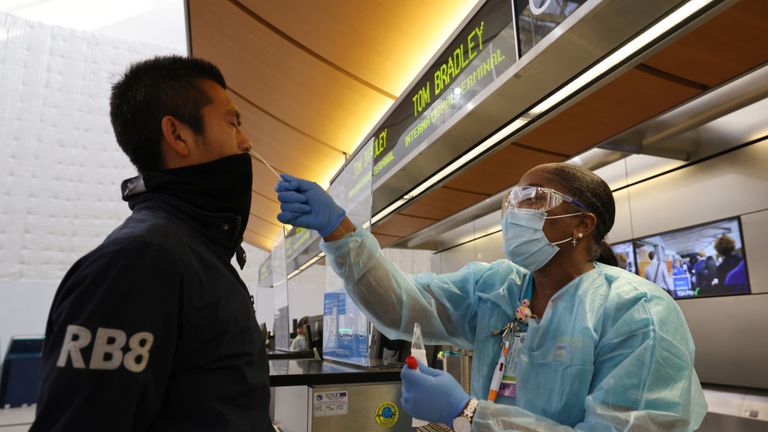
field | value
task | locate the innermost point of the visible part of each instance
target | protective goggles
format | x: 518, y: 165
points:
x: 537, y: 198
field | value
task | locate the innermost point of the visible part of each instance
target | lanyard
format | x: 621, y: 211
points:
x: 504, y: 379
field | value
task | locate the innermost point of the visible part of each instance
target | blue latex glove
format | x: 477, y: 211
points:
x: 431, y: 394
x: 305, y: 204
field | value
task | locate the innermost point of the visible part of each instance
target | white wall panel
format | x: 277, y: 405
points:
x: 622, y: 225
x: 490, y: 248
x: 61, y: 167
x: 733, y: 350
x: 755, y: 226
x: 733, y: 184
x: 410, y: 260
x: 455, y: 258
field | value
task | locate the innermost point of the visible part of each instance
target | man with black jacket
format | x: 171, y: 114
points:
x: 154, y: 330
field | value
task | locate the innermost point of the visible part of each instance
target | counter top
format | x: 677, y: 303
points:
x: 284, y: 355
x: 322, y: 372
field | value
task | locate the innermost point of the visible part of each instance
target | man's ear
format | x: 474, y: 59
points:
x: 176, y: 135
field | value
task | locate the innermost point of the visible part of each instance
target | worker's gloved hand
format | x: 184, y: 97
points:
x: 305, y: 204
x: 431, y: 394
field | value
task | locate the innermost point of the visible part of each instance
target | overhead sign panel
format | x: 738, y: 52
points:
x: 484, y: 48
x: 352, y: 188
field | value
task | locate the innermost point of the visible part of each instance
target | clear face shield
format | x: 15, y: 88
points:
x: 536, y: 198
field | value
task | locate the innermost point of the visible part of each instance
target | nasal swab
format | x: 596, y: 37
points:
x: 252, y: 152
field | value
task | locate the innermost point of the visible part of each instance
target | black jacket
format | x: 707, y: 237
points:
x: 155, y: 331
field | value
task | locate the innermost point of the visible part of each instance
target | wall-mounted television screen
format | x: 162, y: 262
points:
x: 698, y: 261
x: 625, y: 256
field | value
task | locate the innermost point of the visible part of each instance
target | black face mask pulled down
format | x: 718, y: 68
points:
x: 219, y: 186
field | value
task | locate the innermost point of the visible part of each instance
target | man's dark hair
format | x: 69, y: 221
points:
x: 152, y: 89
x: 593, y: 192
x: 651, y: 255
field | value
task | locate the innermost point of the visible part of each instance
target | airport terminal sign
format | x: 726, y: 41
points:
x: 482, y: 50
x: 493, y: 40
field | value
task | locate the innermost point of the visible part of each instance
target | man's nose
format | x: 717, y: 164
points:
x: 243, y: 142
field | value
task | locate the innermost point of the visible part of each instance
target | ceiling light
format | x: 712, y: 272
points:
x: 620, y: 55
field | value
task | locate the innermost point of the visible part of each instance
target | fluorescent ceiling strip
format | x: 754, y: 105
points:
x: 306, y: 265
x: 618, y: 56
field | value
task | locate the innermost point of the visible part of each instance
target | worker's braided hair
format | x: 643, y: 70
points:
x: 593, y: 192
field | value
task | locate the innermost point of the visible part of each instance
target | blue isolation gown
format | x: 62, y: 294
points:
x: 613, y: 351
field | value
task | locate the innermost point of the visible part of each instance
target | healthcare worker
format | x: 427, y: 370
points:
x: 590, y: 347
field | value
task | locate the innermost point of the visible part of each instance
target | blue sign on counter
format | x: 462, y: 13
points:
x: 346, y: 330
x: 682, y: 286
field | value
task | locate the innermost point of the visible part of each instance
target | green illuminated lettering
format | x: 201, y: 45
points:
x: 441, y: 80
x: 450, y: 69
x: 487, y: 66
x: 479, y: 31
x: 481, y: 70
x: 444, y: 75
x: 420, y: 100
x: 383, y: 137
x: 418, y: 129
x: 470, y: 44
x: 458, y: 57
x: 380, y: 143
x: 383, y: 163
x: 466, y: 84
x: 498, y: 57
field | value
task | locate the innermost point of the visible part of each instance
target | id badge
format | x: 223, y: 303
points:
x: 508, y: 387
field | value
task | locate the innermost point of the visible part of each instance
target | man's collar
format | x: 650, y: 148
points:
x: 221, y: 230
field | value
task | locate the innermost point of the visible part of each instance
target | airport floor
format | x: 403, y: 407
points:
x: 16, y: 419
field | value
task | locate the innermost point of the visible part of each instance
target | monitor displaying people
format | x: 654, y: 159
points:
x: 704, y: 260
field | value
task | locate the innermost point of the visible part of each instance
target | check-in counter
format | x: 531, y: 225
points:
x: 320, y: 396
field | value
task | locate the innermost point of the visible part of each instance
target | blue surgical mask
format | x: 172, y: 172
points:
x: 525, y: 243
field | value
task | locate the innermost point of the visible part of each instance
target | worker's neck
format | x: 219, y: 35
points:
x: 553, y: 277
